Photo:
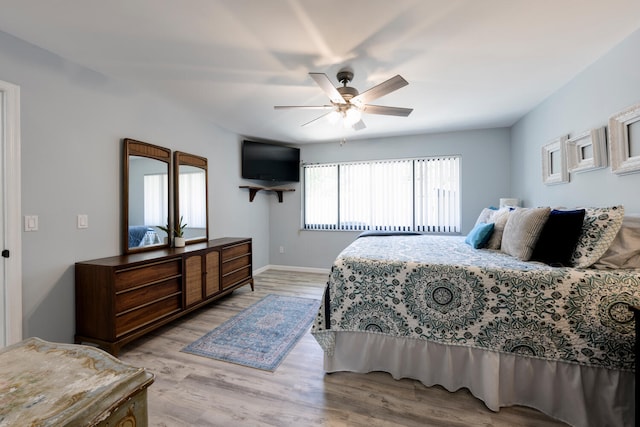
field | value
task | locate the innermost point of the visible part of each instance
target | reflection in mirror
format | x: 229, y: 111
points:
x: 146, y: 196
x: 190, y: 178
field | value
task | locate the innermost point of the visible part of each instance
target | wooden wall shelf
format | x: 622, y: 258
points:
x: 254, y: 189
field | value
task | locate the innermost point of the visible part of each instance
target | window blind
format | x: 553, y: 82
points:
x: 193, y: 199
x: 387, y: 195
x: 156, y: 201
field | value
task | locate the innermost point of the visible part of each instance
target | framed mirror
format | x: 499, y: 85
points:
x: 145, y: 200
x: 191, y: 196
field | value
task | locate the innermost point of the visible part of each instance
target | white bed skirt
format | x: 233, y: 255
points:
x: 576, y: 394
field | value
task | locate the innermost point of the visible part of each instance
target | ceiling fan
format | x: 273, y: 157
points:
x: 347, y: 103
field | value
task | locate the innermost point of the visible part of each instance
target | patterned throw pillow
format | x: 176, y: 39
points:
x: 522, y: 231
x: 598, y: 231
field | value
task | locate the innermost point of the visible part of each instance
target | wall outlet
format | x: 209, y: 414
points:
x: 281, y: 249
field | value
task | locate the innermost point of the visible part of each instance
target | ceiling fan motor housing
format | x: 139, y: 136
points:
x: 345, y: 76
x: 348, y: 92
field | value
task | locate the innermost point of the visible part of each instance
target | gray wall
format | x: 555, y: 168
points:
x: 485, y: 178
x: 73, y: 120
x: 606, y: 87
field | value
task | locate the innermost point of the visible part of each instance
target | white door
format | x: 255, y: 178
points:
x: 10, y: 212
x: 3, y: 322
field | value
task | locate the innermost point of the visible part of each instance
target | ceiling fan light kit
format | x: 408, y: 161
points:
x: 351, y: 117
x: 349, y: 104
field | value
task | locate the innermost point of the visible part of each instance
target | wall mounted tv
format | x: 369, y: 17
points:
x: 270, y: 162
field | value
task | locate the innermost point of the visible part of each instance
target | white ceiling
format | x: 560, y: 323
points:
x: 469, y: 63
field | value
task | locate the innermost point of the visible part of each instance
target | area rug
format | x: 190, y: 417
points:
x: 261, y: 335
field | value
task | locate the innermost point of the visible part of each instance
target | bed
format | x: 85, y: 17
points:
x: 142, y: 235
x: 512, y: 331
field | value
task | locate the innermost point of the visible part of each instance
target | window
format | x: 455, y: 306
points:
x: 193, y: 198
x: 155, y: 199
x: 388, y: 195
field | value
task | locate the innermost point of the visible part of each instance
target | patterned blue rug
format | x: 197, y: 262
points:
x: 261, y: 335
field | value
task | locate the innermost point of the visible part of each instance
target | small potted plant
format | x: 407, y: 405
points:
x: 178, y: 232
x: 179, y: 240
x: 166, y: 229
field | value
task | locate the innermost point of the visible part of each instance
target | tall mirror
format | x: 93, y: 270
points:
x: 146, y: 196
x: 190, y: 193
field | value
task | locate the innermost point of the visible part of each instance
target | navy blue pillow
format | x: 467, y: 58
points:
x: 559, y: 237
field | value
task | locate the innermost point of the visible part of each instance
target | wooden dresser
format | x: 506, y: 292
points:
x: 121, y: 298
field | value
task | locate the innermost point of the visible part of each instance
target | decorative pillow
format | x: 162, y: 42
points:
x: 624, y: 251
x: 559, y: 237
x: 499, y: 219
x: 522, y: 231
x: 599, y: 228
x: 478, y: 237
x: 485, y: 215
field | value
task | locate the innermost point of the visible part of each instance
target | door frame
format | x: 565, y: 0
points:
x: 12, y: 280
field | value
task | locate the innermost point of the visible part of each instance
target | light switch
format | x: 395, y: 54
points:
x: 31, y: 223
x: 83, y: 221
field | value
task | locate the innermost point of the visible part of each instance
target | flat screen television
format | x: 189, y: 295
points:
x: 270, y: 162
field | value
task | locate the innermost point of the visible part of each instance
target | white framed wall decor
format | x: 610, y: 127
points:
x: 624, y: 141
x: 587, y: 151
x: 554, y: 162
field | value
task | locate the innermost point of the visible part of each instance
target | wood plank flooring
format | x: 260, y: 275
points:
x: 191, y: 390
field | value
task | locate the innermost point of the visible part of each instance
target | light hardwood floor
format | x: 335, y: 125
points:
x: 191, y: 390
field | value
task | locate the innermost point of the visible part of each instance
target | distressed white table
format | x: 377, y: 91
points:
x: 51, y: 384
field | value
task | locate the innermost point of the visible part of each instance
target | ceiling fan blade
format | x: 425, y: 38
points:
x: 305, y: 107
x: 317, y: 118
x: 388, y: 86
x: 387, y: 111
x: 359, y: 125
x: 325, y: 84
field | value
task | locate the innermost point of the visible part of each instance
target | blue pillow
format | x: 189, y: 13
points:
x: 479, y: 236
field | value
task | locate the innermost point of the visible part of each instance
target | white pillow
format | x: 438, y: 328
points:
x: 485, y: 216
x: 522, y: 231
x: 499, y: 219
x: 624, y: 251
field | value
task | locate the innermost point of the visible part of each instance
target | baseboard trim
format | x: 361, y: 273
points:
x: 292, y: 268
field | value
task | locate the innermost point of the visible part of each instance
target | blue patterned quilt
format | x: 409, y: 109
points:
x: 438, y: 288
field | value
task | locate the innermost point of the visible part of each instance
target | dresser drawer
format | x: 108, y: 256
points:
x: 236, y: 263
x: 131, y: 320
x: 146, y: 294
x: 234, y: 251
x: 231, y: 279
x: 134, y: 277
